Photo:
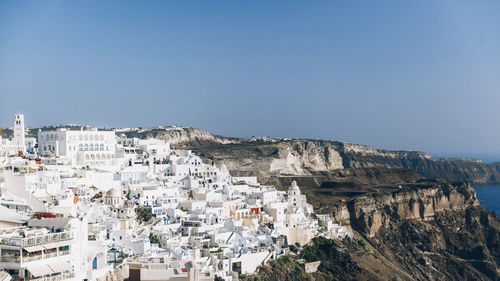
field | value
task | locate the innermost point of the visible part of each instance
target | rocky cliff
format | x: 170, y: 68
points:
x: 305, y: 157
x: 370, y: 212
x: 177, y: 136
x: 431, y: 230
x: 417, y: 230
x: 279, y: 157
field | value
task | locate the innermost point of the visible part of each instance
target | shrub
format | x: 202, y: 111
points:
x: 144, y: 214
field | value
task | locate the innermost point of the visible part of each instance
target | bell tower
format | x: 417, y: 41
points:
x: 18, y: 139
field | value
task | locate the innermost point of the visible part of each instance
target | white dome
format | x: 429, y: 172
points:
x: 294, y: 186
x: 114, y: 192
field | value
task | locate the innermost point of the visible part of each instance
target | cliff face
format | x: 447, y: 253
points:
x: 265, y: 159
x: 368, y: 213
x: 423, y: 230
x: 451, y: 169
x: 177, y: 136
x: 437, y: 232
x: 305, y: 157
x: 433, y: 230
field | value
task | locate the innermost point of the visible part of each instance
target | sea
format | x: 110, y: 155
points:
x: 489, y: 196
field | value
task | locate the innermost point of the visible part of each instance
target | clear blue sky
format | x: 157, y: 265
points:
x: 420, y: 75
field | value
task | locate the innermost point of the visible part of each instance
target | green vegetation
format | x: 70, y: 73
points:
x: 144, y: 214
x: 283, y: 268
x: 240, y: 183
x: 97, y: 196
x: 218, y: 278
x: 217, y: 251
x: 320, y: 223
x: 154, y: 239
x: 336, y: 262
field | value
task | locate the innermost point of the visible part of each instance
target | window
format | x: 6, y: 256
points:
x: 86, y: 146
x: 101, y: 148
x: 80, y: 147
x: 91, y: 147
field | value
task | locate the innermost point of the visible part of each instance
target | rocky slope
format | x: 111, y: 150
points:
x: 306, y: 157
x: 177, y: 136
x: 419, y: 230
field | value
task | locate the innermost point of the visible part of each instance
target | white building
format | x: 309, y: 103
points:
x: 176, y: 217
x: 18, y: 138
x: 18, y: 142
x: 81, y: 148
x: 30, y: 254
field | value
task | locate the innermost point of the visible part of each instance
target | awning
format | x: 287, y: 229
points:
x: 57, y: 244
x: 60, y: 266
x: 34, y: 248
x: 38, y: 270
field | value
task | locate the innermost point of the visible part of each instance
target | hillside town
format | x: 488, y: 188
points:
x: 92, y: 204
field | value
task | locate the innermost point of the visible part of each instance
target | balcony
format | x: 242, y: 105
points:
x: 11, y: 259
x: 60, y: 277
x: 45, y: 256
x: 37, y: 240
x: 48, y: 238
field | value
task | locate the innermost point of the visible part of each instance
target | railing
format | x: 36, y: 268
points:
x: 32, y: 258
x: 46, y: 256
x: 59, y: 277
x: 63, y: 253
x: 11, y: 259
x: 37, y: 240
x: 47, y: 238
x: 51, y: 255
